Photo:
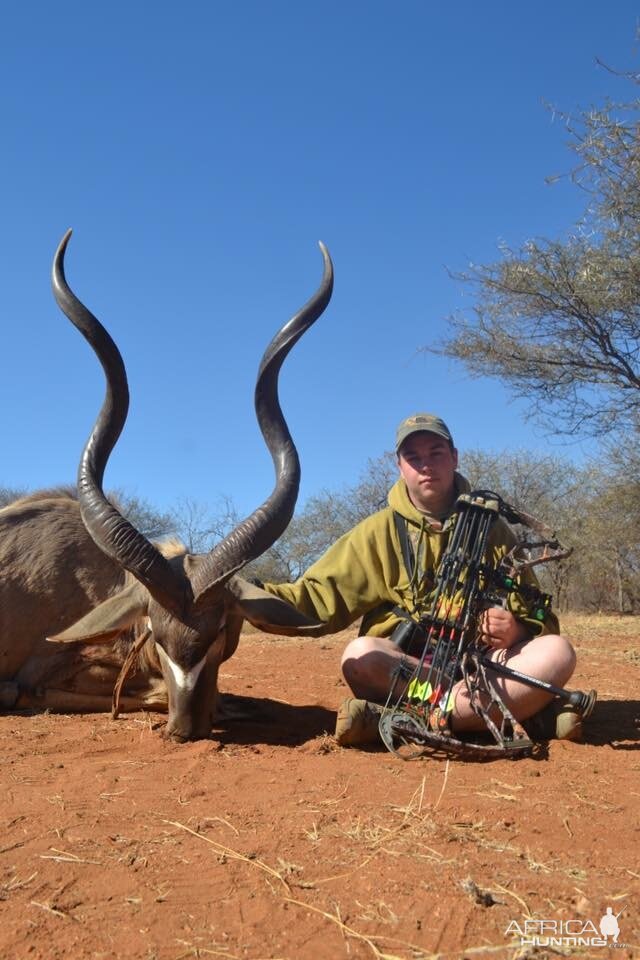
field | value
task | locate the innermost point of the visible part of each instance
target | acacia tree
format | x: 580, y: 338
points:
x: 200, y: 526
x: 607, y: 534
x: 558, y: 321
x: 540, y: 484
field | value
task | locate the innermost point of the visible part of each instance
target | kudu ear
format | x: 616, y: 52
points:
x: 270, y: 613
x: 109, y: 618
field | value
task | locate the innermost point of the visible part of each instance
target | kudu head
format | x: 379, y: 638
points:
x: 190, y: 601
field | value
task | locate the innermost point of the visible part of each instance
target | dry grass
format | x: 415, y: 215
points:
x: 588, y: 628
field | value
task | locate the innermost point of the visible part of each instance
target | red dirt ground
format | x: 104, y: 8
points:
x: 268, y: 841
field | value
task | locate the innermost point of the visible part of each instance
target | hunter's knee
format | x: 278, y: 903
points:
x: 559, y: 655
x: 354, y: 653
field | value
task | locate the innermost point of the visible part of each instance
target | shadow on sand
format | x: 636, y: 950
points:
x: 614, y: 723
x: 247, y: 720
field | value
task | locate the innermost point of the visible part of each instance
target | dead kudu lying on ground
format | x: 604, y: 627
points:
x: 82, y: 575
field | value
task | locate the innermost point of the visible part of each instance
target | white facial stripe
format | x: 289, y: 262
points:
x: 185, y: 679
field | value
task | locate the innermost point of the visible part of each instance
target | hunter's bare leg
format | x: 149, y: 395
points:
x: 368, y: 664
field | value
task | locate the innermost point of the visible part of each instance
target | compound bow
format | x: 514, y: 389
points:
x: 466, y: 584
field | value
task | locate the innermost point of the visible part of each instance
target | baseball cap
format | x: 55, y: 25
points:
x: 419, y: 422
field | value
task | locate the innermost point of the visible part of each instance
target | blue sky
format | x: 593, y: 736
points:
x: 199, y: 151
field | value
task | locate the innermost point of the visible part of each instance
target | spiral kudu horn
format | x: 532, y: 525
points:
x: 262, y: 528
x: 115, y: 535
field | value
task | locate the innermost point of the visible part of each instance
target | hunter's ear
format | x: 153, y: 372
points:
x: 270, y: 613
x: 109, y: 618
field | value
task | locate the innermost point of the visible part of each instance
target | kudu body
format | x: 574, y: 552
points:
x: 53, y: 574
x: 191, y: 605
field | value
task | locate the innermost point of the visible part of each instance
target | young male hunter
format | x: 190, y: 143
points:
x: 364, y: 575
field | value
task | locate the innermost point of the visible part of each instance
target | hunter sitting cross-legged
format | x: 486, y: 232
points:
x: 364, y: 575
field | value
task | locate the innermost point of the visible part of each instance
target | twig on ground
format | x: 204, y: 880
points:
x: 53, y: 910
x: 63, y: 857
x: 229, y: 852
x: 345, y: 929
x: 444, y: 783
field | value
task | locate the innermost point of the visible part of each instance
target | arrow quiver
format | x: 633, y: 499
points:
x: 417, y: 715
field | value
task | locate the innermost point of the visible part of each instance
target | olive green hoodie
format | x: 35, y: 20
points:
x: 364, y: 575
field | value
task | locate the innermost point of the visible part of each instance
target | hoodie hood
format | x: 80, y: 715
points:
x: 398, y: 500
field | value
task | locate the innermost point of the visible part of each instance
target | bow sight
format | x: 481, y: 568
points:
x: 466, y: 584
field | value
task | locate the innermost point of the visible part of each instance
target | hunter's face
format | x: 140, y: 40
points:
x: 427, y: 464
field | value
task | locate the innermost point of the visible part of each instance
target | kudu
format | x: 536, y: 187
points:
x: 52, y: 574
x: 192, y: 605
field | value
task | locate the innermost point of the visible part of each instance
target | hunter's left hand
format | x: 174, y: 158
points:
x: 500, y: 629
